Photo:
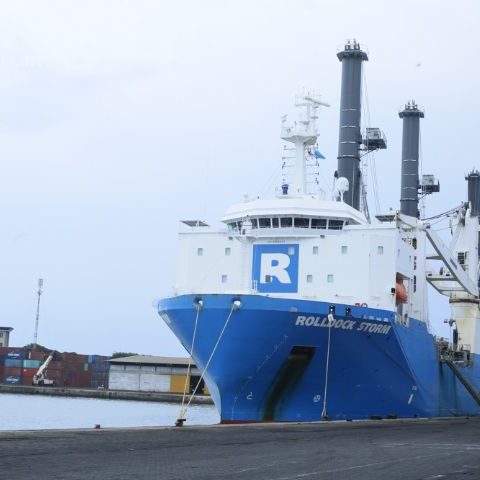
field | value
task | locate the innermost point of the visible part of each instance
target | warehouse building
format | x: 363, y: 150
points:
x: 148, y: 373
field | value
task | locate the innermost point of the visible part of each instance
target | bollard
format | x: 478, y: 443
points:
x: 180, y: 422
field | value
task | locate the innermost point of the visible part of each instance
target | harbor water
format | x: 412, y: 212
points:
x: 35, y: 412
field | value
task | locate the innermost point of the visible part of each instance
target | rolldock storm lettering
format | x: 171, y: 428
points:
x: 368, y: 327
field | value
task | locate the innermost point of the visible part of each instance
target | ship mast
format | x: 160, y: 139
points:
x: 301, y: 133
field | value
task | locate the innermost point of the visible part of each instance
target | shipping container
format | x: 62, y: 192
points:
x: 10, y: 362
x: 27, y: 380
x: 32, y: 364
x: 13, y: 379
x: 99, y: 367
x: 55, y: 365
x: 37, y: 356
x: 14, y: 371
x: 16, y: 354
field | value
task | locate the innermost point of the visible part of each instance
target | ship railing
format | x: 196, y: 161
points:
x: 283, y: 232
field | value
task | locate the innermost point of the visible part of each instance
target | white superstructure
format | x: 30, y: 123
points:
x: 342, y: 258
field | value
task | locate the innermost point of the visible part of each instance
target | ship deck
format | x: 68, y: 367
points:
x: 393, y: 449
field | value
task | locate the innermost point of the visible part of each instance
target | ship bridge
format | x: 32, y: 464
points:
x: 307, y: 215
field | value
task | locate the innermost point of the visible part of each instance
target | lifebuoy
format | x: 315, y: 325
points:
x: 364, y: 304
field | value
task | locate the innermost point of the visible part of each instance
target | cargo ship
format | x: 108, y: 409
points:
x: 303, y: 308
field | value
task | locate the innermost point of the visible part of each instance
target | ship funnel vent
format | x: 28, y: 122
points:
x: 473, y: 179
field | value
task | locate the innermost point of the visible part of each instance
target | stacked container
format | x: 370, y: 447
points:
x: 12, y: 366
x: 18, y: 366
x: 99, y: 366
x: 29, y: 369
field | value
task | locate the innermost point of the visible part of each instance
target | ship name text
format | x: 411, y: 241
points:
x: 367, y: 327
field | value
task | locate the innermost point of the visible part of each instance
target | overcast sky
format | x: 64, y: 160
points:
x: 118, y: 118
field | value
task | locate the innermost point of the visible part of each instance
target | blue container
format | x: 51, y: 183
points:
x: 11, y: 362
x: 13, y: 379
x: 31, y: 364
x: 16, y: 354
x: 99, y: 367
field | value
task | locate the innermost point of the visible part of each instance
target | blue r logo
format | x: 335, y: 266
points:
x: 275, y: 268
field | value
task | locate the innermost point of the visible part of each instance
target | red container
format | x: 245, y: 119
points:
x: 55, y: 365
x: 53, y: 370
x: 57, y: 377
x: 84, y: 380
x: 37, y: 356
x: 27, y: 381
x: 12, y: 371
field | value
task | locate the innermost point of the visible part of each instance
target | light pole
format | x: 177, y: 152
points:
x: 39, y: 293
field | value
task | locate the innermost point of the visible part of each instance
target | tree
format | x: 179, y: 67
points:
x: 122, y: 354
x: 38, y: 348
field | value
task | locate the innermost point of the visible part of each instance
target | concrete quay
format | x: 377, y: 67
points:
x: 362, y: 450
x: 107, y: 394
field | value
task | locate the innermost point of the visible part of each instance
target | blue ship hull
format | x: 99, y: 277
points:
x: 270, y: 362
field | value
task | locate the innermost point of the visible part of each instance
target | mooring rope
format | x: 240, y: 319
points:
x: 324, y: 411
x: 234, y: 307
x: 183, y: 410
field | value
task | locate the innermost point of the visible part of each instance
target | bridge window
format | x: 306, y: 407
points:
x: 315, y: 250
x: 286, y: 222
x: 300, y: 222
x: 319, y: 223
x: 275, y: 222
x: 254, y: 223
x: 309, y: 278
x: 224, y: 278
x: 380, y: 250
x: 264, y: 222
x: 335, y: 224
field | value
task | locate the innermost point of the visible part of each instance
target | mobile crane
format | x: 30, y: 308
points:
x: 40, y: 378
